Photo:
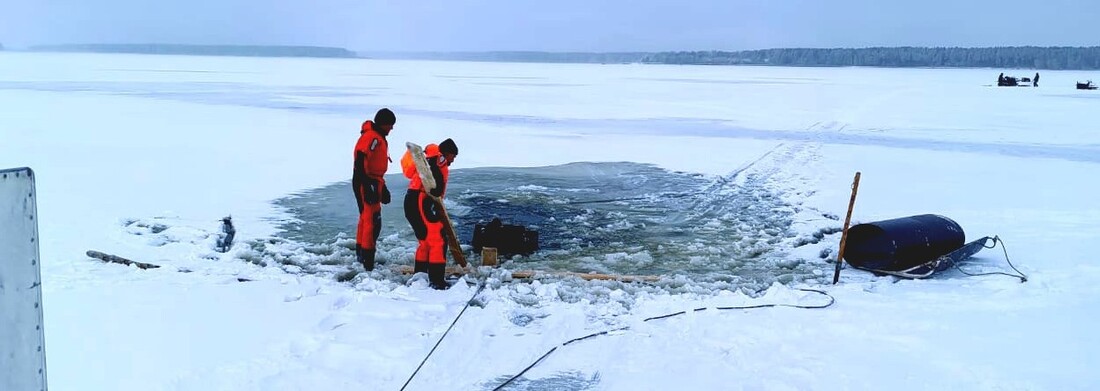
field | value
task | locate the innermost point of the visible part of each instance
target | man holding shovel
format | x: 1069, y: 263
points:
x: 424, y: 210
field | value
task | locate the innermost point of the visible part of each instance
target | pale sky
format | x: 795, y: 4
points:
x: 554, y: 25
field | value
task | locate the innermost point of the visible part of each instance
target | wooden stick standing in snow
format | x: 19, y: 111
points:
x: 844, y: 233
x: 429, y: 183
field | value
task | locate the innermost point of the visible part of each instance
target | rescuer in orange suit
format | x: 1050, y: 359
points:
x: 425, y: 215
x: 369, y: 184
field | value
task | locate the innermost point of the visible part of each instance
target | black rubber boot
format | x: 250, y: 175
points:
x: 436, y: 272
x: 420, y: 267
x: 365, y: 258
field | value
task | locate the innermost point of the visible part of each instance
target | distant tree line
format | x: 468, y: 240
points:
x: 991, y: 57
x: 516, y: 56
x: 206, y: 50
x: 1028, y: 57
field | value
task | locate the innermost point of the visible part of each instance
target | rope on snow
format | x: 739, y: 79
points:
x: 605, y: 332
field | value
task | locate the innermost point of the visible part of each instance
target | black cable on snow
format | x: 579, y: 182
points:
x: 666, y: 316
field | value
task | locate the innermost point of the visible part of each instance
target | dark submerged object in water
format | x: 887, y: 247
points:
x: 506, y: 238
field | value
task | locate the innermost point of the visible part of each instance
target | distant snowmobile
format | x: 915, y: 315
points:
x: 1012, y: 81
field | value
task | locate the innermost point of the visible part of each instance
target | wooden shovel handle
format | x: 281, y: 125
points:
x: 844, y: 233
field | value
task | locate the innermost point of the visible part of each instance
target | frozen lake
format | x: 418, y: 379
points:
x: 681, y: 217
x: 740, y: 174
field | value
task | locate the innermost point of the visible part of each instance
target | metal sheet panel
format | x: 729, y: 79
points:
x: 22, y: 339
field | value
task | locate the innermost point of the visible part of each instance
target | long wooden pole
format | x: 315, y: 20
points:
x: 452, y: 237
x: 844, y: 233
x: 119, y: 260
x: 525, y: 274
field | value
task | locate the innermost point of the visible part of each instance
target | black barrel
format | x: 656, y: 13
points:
x: 902, y: 243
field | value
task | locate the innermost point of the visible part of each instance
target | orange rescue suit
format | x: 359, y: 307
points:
x: 423, y: 213
x: 368, y: 182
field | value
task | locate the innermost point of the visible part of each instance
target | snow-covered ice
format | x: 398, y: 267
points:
x: 125, y: 145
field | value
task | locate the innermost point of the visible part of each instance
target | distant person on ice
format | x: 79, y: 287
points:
x: 425, y: 215
x: 369, y: 184
x: 1036, y: 82
x: 1001, y: 79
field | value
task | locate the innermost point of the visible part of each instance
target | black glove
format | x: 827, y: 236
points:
x: 356, y: 178
x: 357, y: 189
x: 436, y: 191
x: 370, y: 191
x: 385, y: 194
